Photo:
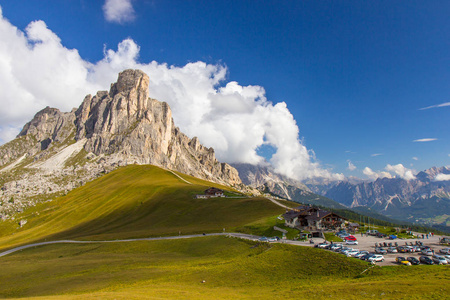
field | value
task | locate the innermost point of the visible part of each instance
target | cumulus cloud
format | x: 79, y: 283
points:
x: 391, y: 171
x: 375, y: 175
x: 425, y: 140
x: 436, y: 106
x: 233, y: 119
x: 119, y: 11
x: 442, y: 177
x: 415, y: 158
x: 401, y: 171
x: 36, y: 71
x: 351, y: 166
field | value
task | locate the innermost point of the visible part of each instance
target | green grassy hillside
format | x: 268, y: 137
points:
x: 231, y: 269
x: 135, y: 201
x: 144, y: 201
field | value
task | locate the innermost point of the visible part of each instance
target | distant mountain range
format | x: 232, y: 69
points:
x: 422, y: 200
x: 266, y: 180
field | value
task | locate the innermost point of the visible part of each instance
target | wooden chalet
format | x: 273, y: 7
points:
x: 312, y: 219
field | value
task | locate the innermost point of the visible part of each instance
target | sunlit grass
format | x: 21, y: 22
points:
x: 211, y: 268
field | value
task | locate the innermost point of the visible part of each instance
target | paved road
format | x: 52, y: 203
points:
x: 233, y: 234
x: 365, y: 243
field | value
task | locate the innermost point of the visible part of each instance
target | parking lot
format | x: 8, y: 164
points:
x: 367, y: 243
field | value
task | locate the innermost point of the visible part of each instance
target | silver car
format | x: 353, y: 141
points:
x: 392, y: 250
x: 376, y: 257
x: 439, y: 260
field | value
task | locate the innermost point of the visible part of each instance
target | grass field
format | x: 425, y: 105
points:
x: 144, y: 201
x: 135, y: 201
x: 231, y: 269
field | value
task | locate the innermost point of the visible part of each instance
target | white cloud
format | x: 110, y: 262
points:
x: 36, y: 71
x: 425, y: 140
x: 235, y: 120
x: 376, y: 154
x: 351, y: 166
x: 119, y: 11
x: 436, y: 106
x: 375, y: 175
x: 442, y: 177
x: 401, y: 171
x: 415, y: 158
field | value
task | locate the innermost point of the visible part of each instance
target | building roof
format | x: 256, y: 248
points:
x: 213, y: 190
x: 319, y: 215
x: 309, y: 213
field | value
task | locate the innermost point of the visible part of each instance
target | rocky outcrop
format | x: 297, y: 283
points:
x: 423, y: 197
x: 110, y: 129
x: 265, y: 180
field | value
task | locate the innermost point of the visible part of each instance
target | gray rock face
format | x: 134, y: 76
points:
x: 422, y: 197
x: 266, y: 180
x: 108, y: 130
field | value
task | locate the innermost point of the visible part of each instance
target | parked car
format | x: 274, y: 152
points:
x: 402, y: 249
x: 392, y: 250
x: 372, y: 232
x: 366, y: 257
x: 335, y: 247
x: 399, y: 259
x: 350, y: 238
x: 447, y: 257
x: 427, y: 252
x: 321, y: 245
x: 361, y: 253
x: 272, y: 239
x: 445, y: 251
x: 380, y: 251
x: 352, y: 253
x: 402, y: 260
x: 349, y: 242
x: 426, y: 260
x: 263, y: 239
x: 410, y: 248
x: 376, y: 257
x: 345, y: 251
x: 341, y: 232
x: 381, y: 235
x: 439, y: 260
x: 413, y: 260
x: 416, y: 248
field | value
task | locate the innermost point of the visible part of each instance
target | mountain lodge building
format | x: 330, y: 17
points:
x: 310, y: 218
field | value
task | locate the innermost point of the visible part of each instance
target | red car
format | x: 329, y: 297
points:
x: 350, y: 238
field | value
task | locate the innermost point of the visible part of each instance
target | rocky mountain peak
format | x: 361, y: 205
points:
x: 108, y: 130
x: 129, y: 81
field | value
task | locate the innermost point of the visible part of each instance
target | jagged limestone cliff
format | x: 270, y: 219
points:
x: 57, y: 151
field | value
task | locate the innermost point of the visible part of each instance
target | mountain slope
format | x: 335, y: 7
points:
x: 268, y: 181
x: 134, y: 201
x: 56, y: 152
x: 422, y: 199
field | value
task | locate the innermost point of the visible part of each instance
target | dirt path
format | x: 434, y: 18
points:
x: 179, y: 177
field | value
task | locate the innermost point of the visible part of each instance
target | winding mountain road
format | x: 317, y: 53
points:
x: 233, y: 234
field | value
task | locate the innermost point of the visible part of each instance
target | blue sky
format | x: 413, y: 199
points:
x: 353, y: 74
